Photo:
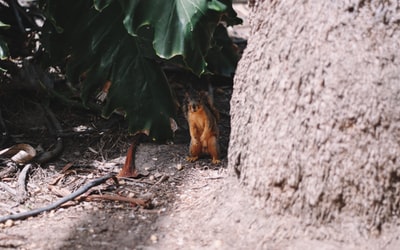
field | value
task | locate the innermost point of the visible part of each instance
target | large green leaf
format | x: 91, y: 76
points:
x: 181, y: 28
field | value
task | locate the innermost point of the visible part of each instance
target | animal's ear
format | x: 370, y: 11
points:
x: 203, y: 94
x: 186, y: 97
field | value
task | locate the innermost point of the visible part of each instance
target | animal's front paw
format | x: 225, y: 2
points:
x: 192, y: 159
x: 215, y: 161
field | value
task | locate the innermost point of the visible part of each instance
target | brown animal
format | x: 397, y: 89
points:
x: 202, y: 118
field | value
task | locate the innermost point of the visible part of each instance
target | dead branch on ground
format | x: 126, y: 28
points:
x: 12, y: 168
x: 22, y: 192
x: 80, y: 191
x: 140, y: 202
x: 7, y: 188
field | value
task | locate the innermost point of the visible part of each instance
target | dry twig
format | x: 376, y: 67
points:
x: 12, y: 168
x: 7, y: 188
x: 22, y: 192
x: 140, y: 202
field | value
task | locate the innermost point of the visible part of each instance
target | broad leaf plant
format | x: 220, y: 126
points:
x: 126, y: 42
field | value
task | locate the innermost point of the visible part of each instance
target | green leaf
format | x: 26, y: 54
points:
x: 222, y: 58
x: 4, y: 52
x: 152, y: 108
x: 101, y: 4
x: 181, y: 28
x: 4, y: 25
x: 217, y: 6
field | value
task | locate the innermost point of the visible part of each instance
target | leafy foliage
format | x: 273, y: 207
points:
x: 125, y: 42
x: 17, y: 27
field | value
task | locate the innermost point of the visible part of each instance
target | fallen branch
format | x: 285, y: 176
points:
x: 7, y: 188
x: 22, y: 192
x: 12, y: 168
x: 19, y: 153
x: 140, y: 202
x: 162, y: 179
x: 80, y: 191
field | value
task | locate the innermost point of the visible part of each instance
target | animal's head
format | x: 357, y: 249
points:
x: 194, y: 101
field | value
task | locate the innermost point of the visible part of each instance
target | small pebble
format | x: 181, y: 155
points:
x: 217, y: 243
x: 179, y: 166
x: 153, y: 238
x: 9, y: 223
x: 148, y: 166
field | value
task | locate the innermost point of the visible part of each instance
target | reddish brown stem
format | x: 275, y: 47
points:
x: 129, y: 168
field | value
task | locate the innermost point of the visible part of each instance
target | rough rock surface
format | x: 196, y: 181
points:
x: 316, y: 110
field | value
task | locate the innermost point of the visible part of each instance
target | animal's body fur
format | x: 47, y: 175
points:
x: 202, y: 118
